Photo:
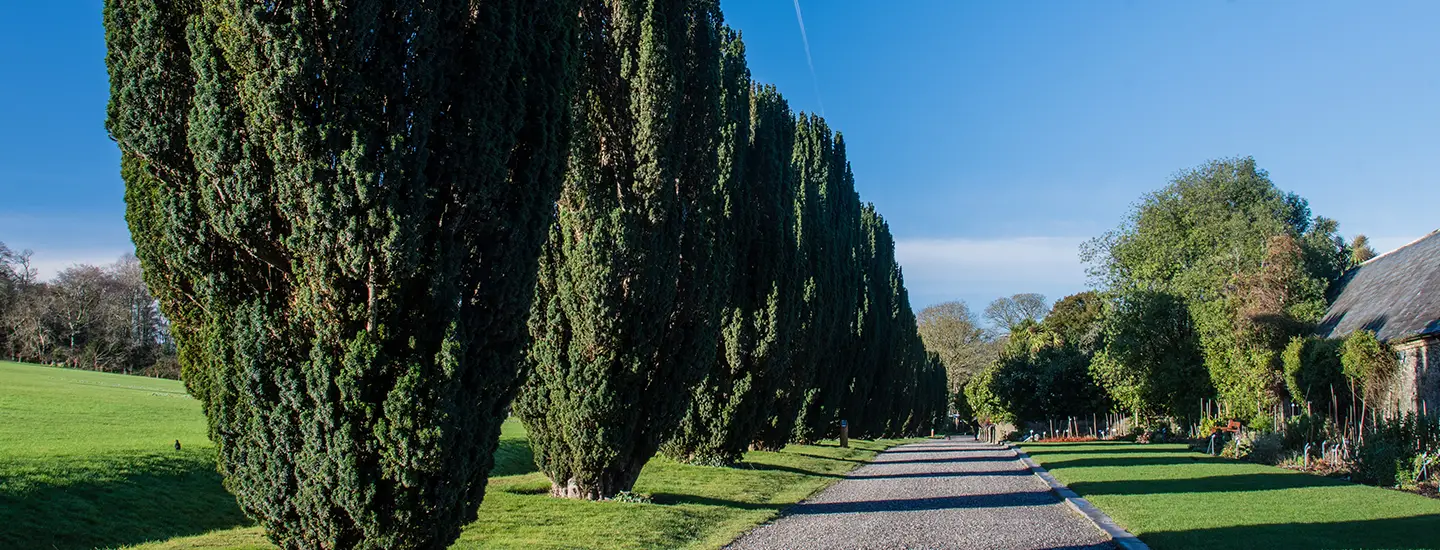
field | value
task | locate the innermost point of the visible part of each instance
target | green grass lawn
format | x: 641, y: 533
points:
x: 1174, y: 498
x: 87, y: 460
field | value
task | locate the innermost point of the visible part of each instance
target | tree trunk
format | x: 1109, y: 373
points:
x: 607, y: 485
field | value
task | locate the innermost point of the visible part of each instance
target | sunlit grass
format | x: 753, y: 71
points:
x: 1174, y: 498
x: 88, y: 460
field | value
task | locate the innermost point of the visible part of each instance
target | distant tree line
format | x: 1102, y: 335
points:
x: 91, y: 317
x: 1207, y: 292
x: 375, y: 227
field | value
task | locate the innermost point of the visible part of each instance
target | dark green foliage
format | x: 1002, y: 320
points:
x: 1077, y: 320
x: 1037, y: 376
x: 1151, y: 363
x: 339, y: 207
x: 874, y: 325
x: 626, y: 312
x: 855, y: 352
x: 901, y: 398
x: 734, y: 400
x: 810, y: 166
x: 936, y: 400
x: 833, y: 344
x: 1386, y: 455
x: 1313, y: 374
x: 1369, y: 365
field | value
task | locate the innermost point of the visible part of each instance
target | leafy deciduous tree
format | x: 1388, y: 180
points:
x: 1151, y: 364
x: 1204, y: 239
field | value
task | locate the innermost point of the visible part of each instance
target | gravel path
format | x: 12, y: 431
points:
x: 932, y: 495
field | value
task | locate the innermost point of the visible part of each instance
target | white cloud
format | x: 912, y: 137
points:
x: 48, y: 263
x: 979, y: 270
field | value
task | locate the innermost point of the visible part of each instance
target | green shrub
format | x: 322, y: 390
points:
x: 1210, y: 424
x: 1266, y: 448
x: 1378, y: 461
x: 1307, y: 428
x: 1422, y: 468
x: 1237, y: 448
x: 1389, y: 455
x: 1313, y: 372
x: 1263, y: 422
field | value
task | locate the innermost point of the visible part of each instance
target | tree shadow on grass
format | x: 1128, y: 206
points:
x: 1097, y: 462
x: 790, y: 469
x: 823, y: 457
x: 1208, y: 484
x: 672, y: 498
x: 1407, y: 532
x: 112, y: 500
x: 513, y: 457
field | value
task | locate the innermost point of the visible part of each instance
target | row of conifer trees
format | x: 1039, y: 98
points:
x: 340, y: 207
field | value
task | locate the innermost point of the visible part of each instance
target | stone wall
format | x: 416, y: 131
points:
x: 1417, y: 383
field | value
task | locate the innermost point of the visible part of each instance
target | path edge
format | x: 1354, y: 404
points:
x: 781, y: 513
x: 1124, y: 539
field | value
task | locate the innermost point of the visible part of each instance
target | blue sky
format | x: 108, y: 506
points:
x: 994, y: 136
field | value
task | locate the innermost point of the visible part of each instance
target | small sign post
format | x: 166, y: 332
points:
x: 844, y: 433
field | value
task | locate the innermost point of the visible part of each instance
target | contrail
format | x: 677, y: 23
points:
x: 806, y: 39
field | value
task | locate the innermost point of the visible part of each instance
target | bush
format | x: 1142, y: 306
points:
x: 1262, y: 422
x: 1209, y: 425
x: 1235, y: 449
x: 1313, y: 371
x: 1307, y: 428
x: 1155, y: 433
x: 1425, y: 468
x: 1266, y: 448
x: 1378, y: 461
x: 1391, y: 454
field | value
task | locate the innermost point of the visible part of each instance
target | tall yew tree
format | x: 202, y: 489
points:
x: 836, y: 263
x: 339, y: 206
x: 732, y: 402
x: 874, y: 329
x: 812, y: 147
x: 626, y: 310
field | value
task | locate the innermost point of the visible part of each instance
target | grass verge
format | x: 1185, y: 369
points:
x: 1173, y: 498
x: 87, y: 460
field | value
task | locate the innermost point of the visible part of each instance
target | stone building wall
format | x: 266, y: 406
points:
x: 1417, y: 383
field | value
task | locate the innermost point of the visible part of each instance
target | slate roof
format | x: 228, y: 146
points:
x: 1396, y: 294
